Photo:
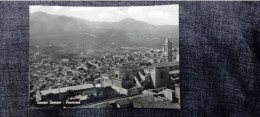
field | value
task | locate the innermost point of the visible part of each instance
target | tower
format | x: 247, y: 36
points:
x: 167, y: 51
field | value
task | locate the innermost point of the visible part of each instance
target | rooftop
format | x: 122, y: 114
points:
x: 167, y: 64
x: 174, y: 72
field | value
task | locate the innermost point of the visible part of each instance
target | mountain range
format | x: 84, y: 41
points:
x: 46, y: 29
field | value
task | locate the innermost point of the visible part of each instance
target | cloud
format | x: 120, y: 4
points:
x: 105, y: 15
x: 120, y: 12
x: 81, y: 9
x: 134, y: 10
x: 34, y: 8
x: 156, y: 15
x: 56, y: 8
x: 167, y: 15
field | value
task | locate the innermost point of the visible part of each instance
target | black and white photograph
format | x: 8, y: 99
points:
x: 104, y: 57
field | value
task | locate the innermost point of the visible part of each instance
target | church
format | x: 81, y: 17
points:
x: 158, y: 75
x: 166, y: 51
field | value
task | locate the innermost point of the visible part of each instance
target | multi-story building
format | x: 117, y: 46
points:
x: 161, y: 73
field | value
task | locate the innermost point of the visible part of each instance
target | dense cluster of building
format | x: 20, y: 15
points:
x: 153, y: 73
x: 140, y: 77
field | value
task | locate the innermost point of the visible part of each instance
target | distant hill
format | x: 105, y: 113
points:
x: 46, y: 29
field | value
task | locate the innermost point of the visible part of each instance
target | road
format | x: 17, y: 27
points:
x: 113, y: 100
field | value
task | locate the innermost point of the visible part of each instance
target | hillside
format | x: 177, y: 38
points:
x: 47, y: 29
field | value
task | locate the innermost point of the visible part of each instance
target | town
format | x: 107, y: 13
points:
x: 148, y: 78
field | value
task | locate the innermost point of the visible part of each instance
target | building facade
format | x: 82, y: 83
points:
x: 161, y: 73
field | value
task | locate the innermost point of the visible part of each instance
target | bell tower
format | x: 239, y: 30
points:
x: 167, y: 51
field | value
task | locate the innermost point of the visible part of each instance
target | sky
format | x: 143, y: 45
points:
x: 155, y: 15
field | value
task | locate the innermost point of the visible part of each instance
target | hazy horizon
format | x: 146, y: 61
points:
x: 103, y: 21
x: 154, y: 15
